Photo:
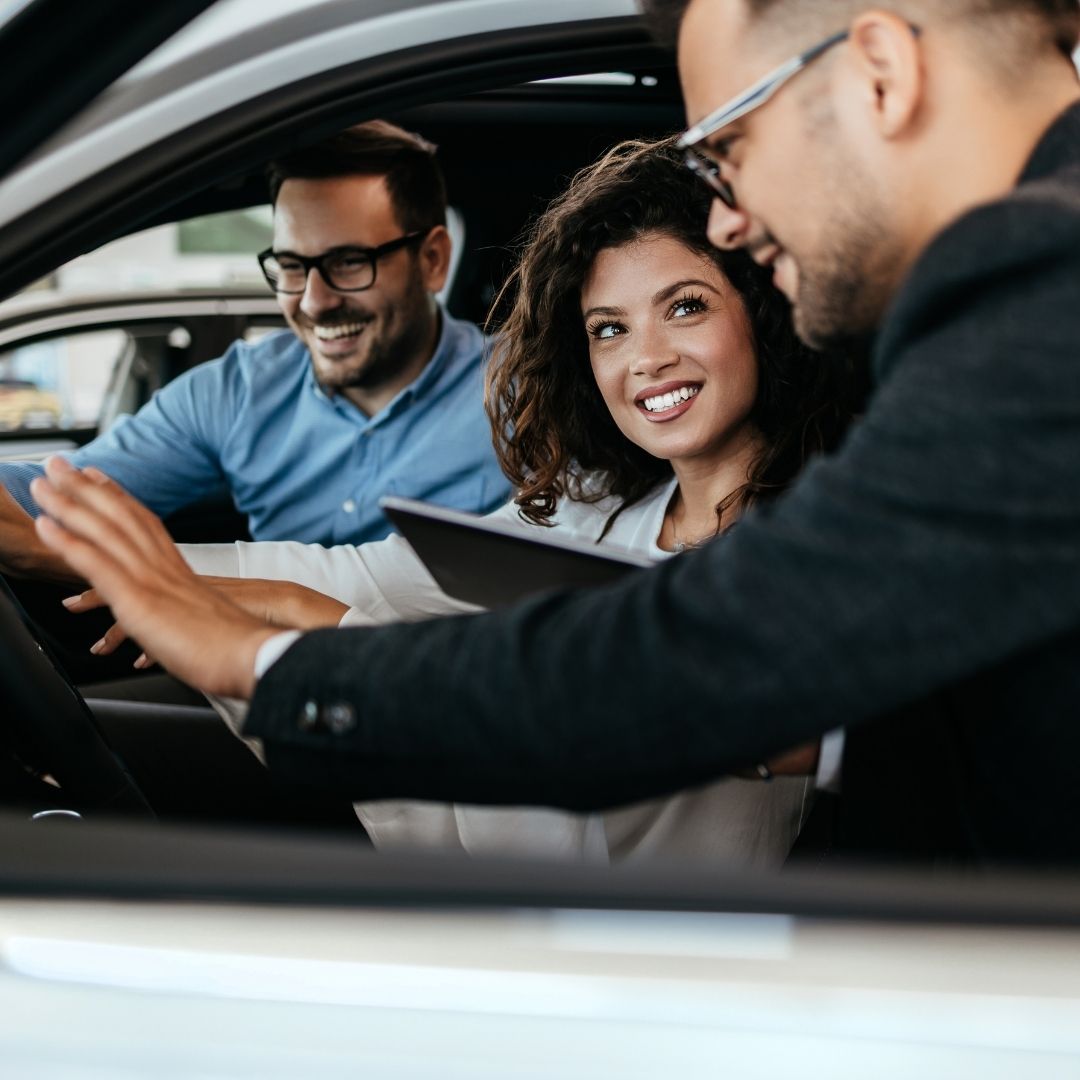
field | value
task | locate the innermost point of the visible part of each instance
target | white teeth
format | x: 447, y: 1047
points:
x: 662, y: 402
x: 331, y: 333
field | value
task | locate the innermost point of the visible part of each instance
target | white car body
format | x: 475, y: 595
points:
x: 134, y: 114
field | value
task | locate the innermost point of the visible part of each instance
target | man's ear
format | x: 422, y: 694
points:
x: 889, y: 64
x: 434, y: 256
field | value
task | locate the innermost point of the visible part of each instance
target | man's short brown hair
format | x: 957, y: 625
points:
x: 1059, y: 19
x: 375, y: 148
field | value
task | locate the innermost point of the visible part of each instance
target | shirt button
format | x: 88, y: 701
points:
x: 348, y: 506
x: 309, y: 716
x: 340, y: 717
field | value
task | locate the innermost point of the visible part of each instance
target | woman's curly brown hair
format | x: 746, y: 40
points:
x: 552, y: 428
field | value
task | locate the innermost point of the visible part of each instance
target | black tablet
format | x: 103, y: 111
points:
x: 497, y: 562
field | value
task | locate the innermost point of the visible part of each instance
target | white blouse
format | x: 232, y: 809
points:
x: 743, y: 822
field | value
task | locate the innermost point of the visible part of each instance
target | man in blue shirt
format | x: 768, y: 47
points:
x: 377, y: 389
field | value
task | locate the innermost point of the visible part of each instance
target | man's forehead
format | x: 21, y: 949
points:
x: 302, y: 192
x: 718, y: 56
x: 352, y: 206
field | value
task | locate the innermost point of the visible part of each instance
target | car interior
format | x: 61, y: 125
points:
x: 505, y: 148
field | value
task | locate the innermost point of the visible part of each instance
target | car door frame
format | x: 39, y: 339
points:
x: 119, y: 199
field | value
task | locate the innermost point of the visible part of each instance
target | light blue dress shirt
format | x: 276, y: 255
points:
x: 300, y: 463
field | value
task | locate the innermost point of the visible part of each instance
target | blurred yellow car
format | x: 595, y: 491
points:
x: 23, y: 405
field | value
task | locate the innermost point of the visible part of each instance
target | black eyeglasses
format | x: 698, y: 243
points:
x: 699, y: 163
x: 696, y: 154
x: 697, y: 157
x: 345, y: 269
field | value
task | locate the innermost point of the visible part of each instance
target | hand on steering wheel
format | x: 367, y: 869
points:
x: 127, y: 555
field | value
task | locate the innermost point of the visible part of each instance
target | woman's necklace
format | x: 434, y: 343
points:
x: 678, y: 546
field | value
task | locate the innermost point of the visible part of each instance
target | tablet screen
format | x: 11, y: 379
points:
x: 493, y: 562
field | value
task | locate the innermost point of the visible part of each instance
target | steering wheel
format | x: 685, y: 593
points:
x: 49, y: 726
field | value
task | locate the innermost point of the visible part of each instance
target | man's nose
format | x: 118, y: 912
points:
x: 728, y: 227
x: 318, y: 296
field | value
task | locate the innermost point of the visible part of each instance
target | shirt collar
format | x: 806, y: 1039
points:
x: 1060, y: 145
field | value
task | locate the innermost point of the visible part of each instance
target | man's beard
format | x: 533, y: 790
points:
x: 844, y: 289
x: 403, y: 332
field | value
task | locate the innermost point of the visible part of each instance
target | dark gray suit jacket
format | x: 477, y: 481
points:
x: 921, y: 587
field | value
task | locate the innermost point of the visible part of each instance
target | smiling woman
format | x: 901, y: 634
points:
x: 620, y: 301
x: 677, y: 370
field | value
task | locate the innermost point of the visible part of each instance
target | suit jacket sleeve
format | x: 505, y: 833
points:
x: 942, y: 538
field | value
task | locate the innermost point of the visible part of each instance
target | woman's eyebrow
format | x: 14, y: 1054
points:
x: 669, y: 291
x: 666, y: 293
x: 613, y: 311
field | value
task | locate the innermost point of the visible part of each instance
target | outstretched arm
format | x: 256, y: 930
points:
x: 283, y: 604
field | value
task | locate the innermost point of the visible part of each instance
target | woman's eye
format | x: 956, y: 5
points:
x: 605, y: 330
x: 690, y: 305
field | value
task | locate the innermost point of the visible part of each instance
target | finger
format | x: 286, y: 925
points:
x: 105, y: 515
x: 85, y: 601
x: 110, y: 641
x: 143, y: 661
x: 145, y: 515
x: 108, y: 498
x: 93, y: 488
x: 202, y: 637
x: 95, y: 474
x: 90, y: 561
x: 76, y: 519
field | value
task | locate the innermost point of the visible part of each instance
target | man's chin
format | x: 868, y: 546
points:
x: 828, y: 330
x: 338, y: 373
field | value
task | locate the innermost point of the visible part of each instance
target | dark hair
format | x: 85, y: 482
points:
x: 1061, y: 18
x: 552, y: 428
x: 664, y: 17
x: 376, y: 148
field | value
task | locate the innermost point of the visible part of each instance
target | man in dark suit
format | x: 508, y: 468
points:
x: 914, y: 173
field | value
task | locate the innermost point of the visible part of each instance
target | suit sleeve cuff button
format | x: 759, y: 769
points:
x: 340, y: 717
x: 309, y: 716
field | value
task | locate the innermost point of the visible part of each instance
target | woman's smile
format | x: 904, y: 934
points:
x: 668, y: 401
